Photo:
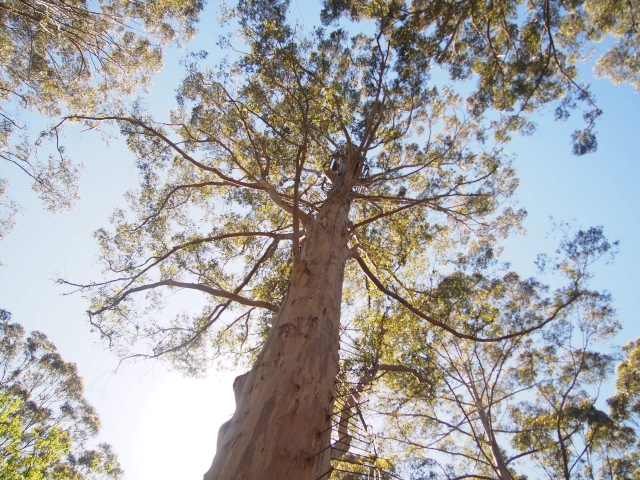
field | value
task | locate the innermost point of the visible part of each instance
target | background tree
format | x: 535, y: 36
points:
x: 45, y: 423
x: 76, y: 56
x: 312, y: 171
x: 615, y: 437
x: 468, y: 409
x: 8, y: 210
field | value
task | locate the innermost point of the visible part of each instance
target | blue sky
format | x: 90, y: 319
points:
x: 164, y: 426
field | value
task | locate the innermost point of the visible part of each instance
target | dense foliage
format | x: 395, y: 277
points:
x: 501, y: 409
x: 45, y: 423
x: 78, y: 56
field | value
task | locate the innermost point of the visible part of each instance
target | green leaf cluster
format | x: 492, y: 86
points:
x: 45, y: 423
x: 76, y: 57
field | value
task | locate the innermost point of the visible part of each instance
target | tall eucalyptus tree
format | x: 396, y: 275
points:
x: 314, y: 170
x: 617, y: 441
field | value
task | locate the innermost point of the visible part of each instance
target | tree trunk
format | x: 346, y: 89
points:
x: 498, y: 458
x: 281, y: 428
x: 499, y: 462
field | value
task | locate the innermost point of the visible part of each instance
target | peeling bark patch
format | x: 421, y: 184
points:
x: 279, y: 359
x: 299, y: 299
x: 305, y: 276
x: 302, y: 272
x: 287, y: 330
x: 305, y: 457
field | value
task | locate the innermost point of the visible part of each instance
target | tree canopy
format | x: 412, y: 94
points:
x: 332, y: 188
x: 75, y: 56
x: 45, y: 423
x: 255, y: 145
x: 490, y: 410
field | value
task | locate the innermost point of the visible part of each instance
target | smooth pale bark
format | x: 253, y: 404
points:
x: 281, y: 428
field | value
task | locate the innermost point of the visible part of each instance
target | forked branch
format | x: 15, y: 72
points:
x: 437, y: 323
x: 193, y: 286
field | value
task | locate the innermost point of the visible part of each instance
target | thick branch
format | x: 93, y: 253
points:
x: 446, y: 327
x: 194, y: 286
x: 172, y: 145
